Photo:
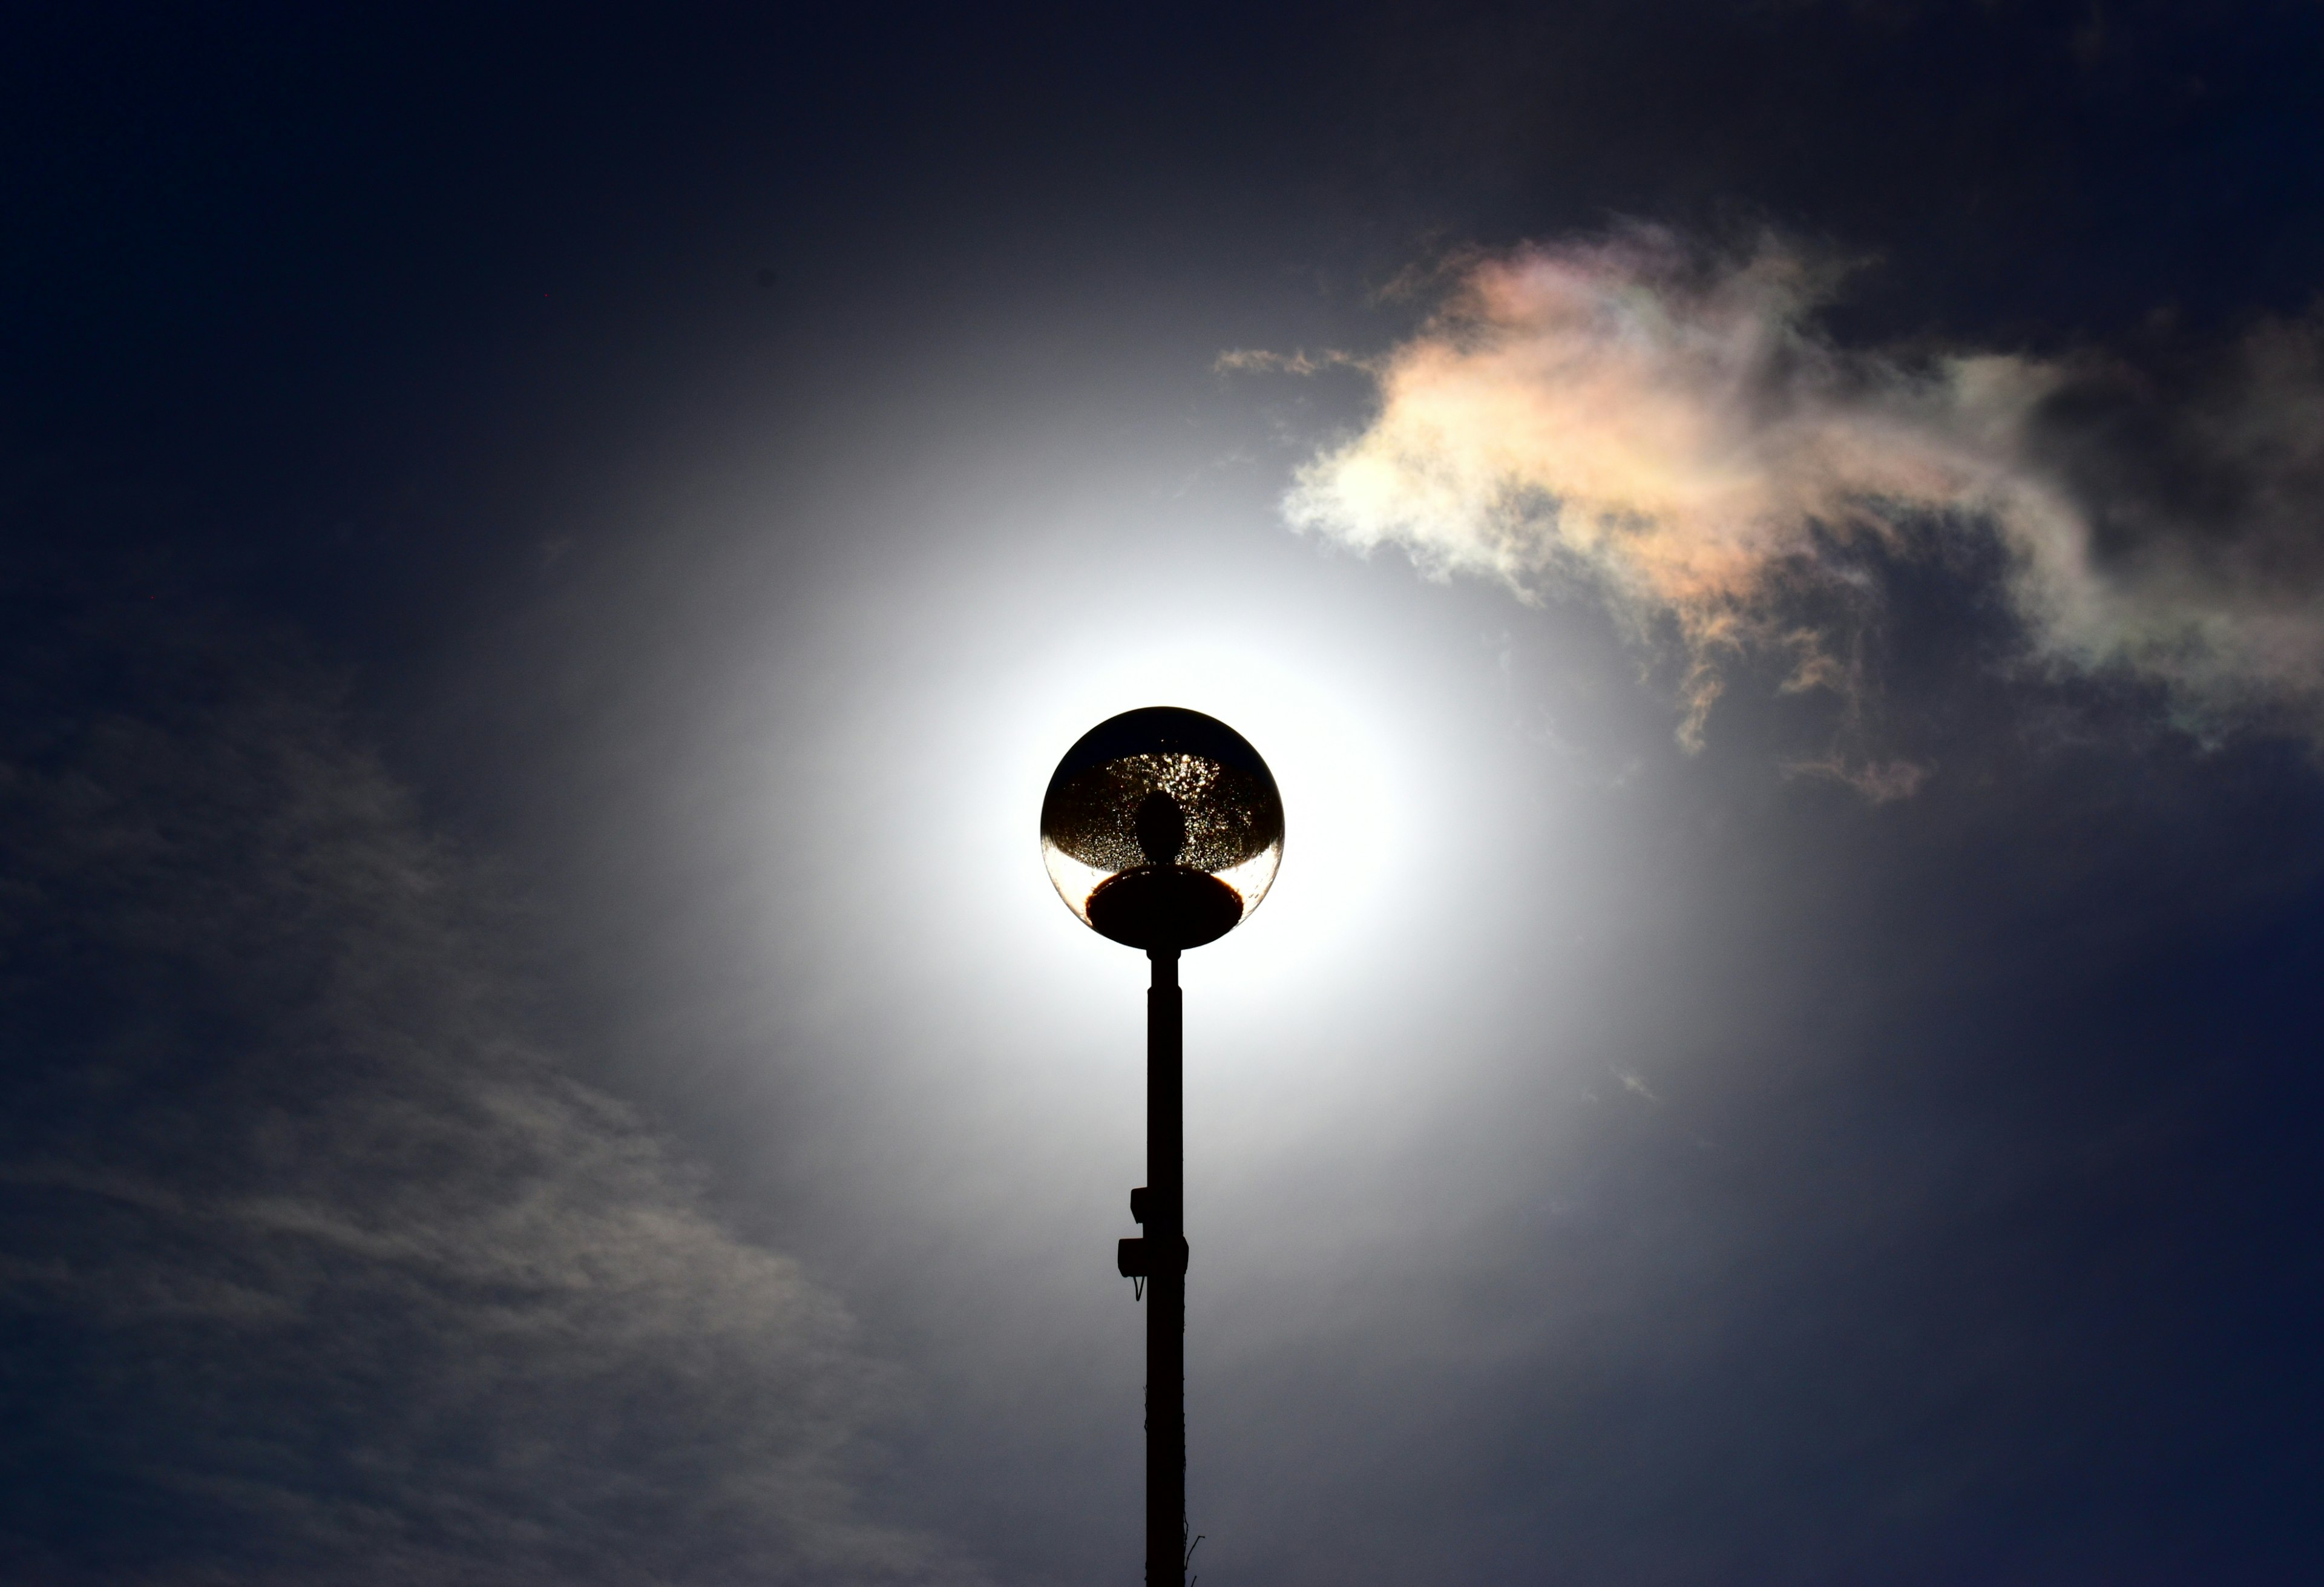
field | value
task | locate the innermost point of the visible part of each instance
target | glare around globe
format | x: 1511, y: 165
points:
x: 1162, y: 828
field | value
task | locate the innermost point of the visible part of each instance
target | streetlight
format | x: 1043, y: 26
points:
x: 1162, y: 830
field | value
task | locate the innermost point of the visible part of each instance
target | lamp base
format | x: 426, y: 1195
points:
x: 1165, y: 907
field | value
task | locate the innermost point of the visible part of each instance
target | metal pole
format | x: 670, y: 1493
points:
x: 1165, y: 1282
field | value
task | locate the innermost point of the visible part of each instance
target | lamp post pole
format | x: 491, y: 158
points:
x: 1166, y: 1280
x: 1162, y: 829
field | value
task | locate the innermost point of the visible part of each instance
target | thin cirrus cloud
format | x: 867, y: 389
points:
x: 1674, y: 431
x: 384, y: 1292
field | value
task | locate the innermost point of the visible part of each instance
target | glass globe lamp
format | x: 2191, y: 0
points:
x: 1162, y: 828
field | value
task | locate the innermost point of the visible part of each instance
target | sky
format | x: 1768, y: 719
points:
x: 1773, y: 550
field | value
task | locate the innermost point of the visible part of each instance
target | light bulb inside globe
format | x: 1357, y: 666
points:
x: 1162, y: 828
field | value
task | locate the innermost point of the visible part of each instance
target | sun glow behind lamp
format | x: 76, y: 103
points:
x: 1162, y: 830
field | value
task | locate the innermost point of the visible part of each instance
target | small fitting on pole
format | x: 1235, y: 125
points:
x: 1129, y: 1257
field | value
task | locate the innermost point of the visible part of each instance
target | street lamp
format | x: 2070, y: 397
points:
x: 1162, y: 830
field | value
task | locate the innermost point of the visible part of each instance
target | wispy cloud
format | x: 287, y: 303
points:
x: 1255, y: 361
x: 341, y: 1277
x: 1672, y: 429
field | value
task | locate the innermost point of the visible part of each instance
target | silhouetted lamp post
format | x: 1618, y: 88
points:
x: 1162, y: 830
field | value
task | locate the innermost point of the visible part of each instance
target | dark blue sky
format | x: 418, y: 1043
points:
x: 546, y: 552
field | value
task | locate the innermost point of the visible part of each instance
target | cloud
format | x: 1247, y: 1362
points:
x: 317, y: 1267
x: 1673, y: 431
x: 1255, y: 361
x: 1880, y: 781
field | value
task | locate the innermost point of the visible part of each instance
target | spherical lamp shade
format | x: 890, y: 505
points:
x: 1162, y: 828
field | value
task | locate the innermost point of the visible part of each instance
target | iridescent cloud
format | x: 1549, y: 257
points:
x: 1675, y: 432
